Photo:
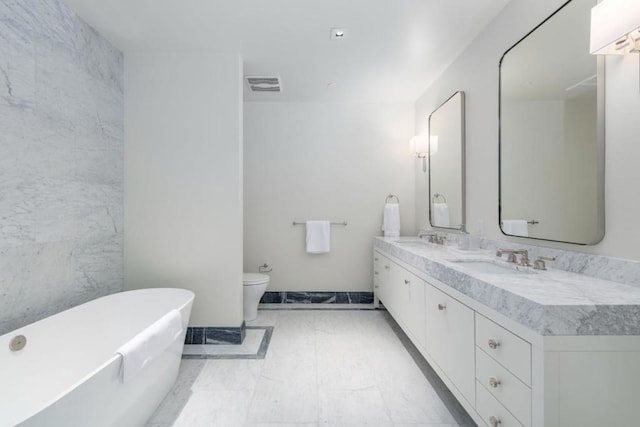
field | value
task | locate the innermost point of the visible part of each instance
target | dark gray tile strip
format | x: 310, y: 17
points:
x: 284, y: 307
x: 215, y: 335
x: 455, y: 408
x: 262, y: 350
x: 291, y: 297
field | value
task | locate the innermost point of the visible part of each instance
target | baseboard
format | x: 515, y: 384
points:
x: 297, y: 297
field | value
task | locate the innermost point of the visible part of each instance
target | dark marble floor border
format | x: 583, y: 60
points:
x: 291, y: 297
x: 312, y: 308
x: 215, y: 335
x: 459, y: 414
x: 262, y: 350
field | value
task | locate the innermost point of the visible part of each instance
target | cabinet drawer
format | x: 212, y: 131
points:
x: 491, y: 411
x: 504, y: 386
x: 508, y: 349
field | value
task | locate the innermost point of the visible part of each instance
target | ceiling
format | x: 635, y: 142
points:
x: 392, y: 51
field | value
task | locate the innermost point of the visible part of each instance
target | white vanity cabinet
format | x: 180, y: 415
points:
x: 450, y: 339
x: 504, y: 373
x: 402, y: 293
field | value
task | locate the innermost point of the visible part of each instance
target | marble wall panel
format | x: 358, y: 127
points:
x: 61, y: 162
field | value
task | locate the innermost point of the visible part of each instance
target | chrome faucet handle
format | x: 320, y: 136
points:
x: 425, y: 233
x: 513, y: 255
x: 539, y: 263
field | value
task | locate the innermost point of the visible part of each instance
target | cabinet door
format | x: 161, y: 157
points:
x: 416, y: 318
x: 450, y: 339
x: 399, y: 294
x: 381, y: 279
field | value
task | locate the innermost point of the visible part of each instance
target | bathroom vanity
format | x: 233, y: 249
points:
x: 516, y: 346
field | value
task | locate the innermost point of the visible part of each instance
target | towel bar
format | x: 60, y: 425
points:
x: 333, y: 223
x: 530, y: 221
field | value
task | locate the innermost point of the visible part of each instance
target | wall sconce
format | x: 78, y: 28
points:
x: 419, y: 146
x: 615, y: 27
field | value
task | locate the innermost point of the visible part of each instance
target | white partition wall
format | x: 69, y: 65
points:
x: 183, y: 178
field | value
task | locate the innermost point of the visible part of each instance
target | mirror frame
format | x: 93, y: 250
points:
x: 463, y: 193
x: 600, y: 144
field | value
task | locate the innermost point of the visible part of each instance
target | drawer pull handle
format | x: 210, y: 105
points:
x: 441, y: 307
x: 375, y: 259
x: 493, y: 344
x: 386, y: 267
x: 494, y: 382
x: 375, y: 273
x: 406, y: 282
x: 376, y: 286
x: 494, y: 421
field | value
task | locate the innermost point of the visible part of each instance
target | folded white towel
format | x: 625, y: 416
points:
x: 440, y: 215
x: 148, y: 344
x: 515, y: 227
x: 318, y: 237
x: 391, y: 220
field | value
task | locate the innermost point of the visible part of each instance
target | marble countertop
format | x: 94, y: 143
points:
x: 551, y: 302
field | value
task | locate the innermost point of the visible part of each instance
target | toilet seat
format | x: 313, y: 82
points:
x: 250, y: 279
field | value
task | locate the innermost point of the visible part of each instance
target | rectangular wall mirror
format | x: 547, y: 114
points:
x: 552, y: 132
x: 446, y: 164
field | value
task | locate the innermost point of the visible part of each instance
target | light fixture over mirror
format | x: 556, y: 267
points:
x: 419, y: 146
x: 615, y: 27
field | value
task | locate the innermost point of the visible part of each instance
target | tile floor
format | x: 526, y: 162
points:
x: 322, y: 368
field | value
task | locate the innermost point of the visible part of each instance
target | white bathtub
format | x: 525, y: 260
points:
x: 68, y: 374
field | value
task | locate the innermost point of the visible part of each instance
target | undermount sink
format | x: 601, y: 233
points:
x: 413, y: 243
x: 490, y: 267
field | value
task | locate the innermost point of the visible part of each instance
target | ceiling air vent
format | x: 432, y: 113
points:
x: 264, y: 84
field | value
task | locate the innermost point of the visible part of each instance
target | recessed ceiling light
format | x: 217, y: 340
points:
x: 338, y: 33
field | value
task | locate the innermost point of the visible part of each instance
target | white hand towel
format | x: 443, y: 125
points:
x: 441, y: 215
x: 391, y: 220
x: 318, y: 237
x: 148, y: 344
x: 515, y: 227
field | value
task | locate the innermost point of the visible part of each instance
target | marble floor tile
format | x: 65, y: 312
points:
x: 341, y: 363
x: 279, y: 401
x: 416, y: 404
x: 353, y: 408
x: 215, y: 408
x: 229, y: 375
x: 322, y: 368
x: 180, y: 394
x: 281, y: 425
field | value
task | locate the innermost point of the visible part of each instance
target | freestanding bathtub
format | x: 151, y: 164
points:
x: 68, y: 374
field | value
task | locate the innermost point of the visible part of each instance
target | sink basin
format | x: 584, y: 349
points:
x: 411, y: 243
x: 482, y: 266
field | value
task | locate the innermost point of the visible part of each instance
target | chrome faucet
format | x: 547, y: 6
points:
x: 438, y: 240
x: 425, y: 233
x: 539, y: 264
x: 513, y: 253
x: 432, y: 235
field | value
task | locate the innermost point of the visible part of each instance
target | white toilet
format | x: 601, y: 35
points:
x: 254, y: 286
